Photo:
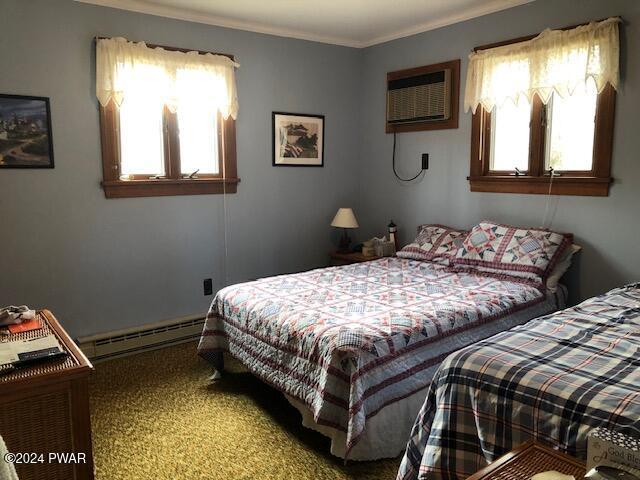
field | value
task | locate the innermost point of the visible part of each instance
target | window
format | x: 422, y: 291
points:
x: 163, y: 126
x: 570, y: 129
x: 510, y: 137
x: 141, y: 138
x: 197, y: 133
x: 522, y: 131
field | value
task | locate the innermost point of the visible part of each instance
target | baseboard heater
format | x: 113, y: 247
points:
x: 129, y: 341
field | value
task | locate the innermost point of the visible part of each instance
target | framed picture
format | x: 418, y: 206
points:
x: 298, y: 140
x: 25, y: 132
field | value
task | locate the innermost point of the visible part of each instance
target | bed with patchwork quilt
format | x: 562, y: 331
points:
x: 552, y: 380
x: 355, y: 347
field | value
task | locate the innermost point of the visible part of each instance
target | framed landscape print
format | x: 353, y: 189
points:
x: 25, y: 132
x: 298, y: 140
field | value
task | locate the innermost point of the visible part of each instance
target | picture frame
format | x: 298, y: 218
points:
x: 25, y: 132
x: 298, y: 140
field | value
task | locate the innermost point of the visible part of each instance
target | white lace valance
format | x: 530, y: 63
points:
x: 164, y: 77
x: 555, y: 60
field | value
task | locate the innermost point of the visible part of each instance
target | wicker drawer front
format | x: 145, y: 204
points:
x: 39, y: 424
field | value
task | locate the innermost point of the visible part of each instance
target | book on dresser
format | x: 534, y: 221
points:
x: 23, y: 352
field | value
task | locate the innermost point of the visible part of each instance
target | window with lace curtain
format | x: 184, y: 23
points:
x: 543, y: 110
x: 167, y: 120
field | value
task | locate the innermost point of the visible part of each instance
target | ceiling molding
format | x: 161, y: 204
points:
x: 197, y: 17
x: 178, y: 14
x: 481, y: 10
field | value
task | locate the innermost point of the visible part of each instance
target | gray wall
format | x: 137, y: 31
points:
x: 608, y: 227
x: 105, y: 264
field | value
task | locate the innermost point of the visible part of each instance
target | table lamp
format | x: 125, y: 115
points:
x: 344, y: 219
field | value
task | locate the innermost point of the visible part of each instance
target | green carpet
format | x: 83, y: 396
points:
x: 156, y: 416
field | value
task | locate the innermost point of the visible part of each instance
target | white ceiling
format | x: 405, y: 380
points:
x: 354, y: 23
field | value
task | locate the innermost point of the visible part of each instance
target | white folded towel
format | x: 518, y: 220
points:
x: 12, y: 315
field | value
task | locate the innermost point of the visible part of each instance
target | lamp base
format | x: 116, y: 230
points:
x: 345, y: 242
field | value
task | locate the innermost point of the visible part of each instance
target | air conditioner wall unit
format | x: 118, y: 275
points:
x: 423, y: 98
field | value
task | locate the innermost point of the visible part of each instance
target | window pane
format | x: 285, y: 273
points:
x: 141, y: 143
x: 141, y: 140
x: 510, y: 136
x: 198, y: 139
x: 197, y: 121
x: 570, y: 130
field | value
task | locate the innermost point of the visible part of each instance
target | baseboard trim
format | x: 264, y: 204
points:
x: 130, y: 341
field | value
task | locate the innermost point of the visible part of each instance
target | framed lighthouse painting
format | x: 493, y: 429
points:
x: 298, y: 140
x: 25, y: 132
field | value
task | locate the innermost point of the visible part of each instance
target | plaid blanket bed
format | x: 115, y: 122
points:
x: 553, y: 379
x: 348, y: 341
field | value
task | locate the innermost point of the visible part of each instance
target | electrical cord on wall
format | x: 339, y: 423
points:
x: 552, y: 175
x: 394, y: 164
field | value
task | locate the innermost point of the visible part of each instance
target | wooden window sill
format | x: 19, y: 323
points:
x: 564, y: 185
x: 168, y: 187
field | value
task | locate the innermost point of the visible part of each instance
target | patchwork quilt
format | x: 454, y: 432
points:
x: 349, y: 340
x: 553, y: 380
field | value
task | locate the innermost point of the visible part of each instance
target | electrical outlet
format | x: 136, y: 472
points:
x: 425, y: 161
x: 208, y: 286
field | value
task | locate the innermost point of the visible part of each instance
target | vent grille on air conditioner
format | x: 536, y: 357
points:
x: 146, y: 337
x: 421, y: 98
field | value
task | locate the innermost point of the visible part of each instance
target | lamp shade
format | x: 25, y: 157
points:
x: 345, y: 219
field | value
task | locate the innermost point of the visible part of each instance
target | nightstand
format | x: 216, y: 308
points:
x: 338, y: 258
x: 528, y: 459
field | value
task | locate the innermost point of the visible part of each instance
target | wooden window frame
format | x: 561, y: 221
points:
x: 173, y: 182
x: 594, y: 182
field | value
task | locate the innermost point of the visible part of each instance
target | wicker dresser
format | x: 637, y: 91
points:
x: 45, y: 409
x: 527, y: 460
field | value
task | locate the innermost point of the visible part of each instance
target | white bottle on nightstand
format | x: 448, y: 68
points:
x: 393, y: 234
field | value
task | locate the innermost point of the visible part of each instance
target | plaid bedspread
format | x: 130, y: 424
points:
x: 349, y: 340
x: 553, y: 379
